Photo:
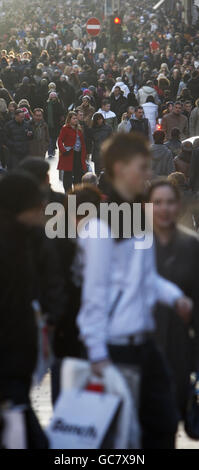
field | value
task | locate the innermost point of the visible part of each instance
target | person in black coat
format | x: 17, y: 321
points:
x: 119, y: 103
x: 99, y: 132
x: 16, y: 139
x: 54, y: 116
x: 194, y: 167
x: 20, y: 210
x: 66, y: 92
x: 177, y: 254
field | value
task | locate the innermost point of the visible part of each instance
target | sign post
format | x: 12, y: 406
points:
x: 93, y: 26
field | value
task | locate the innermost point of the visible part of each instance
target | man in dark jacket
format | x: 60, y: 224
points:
x: 140, y: 124
x: 118, y: 103
x: 29, y: 271
x: 20, y: 208
x: 17, y: 137
x: 193, y: 85
x: 162, y: 160
x: 194, y: 167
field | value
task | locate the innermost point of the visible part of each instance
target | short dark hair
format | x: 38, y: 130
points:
x: 159, y: 137
x: 175, y: 132
x: 138, y: 107
x: 123, y: 147
x: 178, y: 103
x: 37, y: 167
x: 159, y: 183
x: 150, y: 99
x: 105, y: 101
x: 85, y: 192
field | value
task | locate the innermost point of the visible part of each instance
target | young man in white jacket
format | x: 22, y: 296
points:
x: 120, y: 288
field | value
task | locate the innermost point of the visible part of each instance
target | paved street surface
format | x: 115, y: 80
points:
x: 41, y: 395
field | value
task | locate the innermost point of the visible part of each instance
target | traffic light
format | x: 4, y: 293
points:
x: 117, y: 20
x: 116, y: 28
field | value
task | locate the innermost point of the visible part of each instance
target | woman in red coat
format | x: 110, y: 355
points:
x: 72, y: 152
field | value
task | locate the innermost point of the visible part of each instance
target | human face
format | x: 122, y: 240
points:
x: 85, y: 102
x: 99, y: 121
x: 130, y: 111
x: 177, y: 109
x: 117, y: 91
x: 139, y: 113
x: 188, y: 107
x: 107, y: 107
x: 132, y: 175
x: 20, y: 117
x: 38, y: 116
x: 80, y: 116
x: 165, y: 207
x: 11, y: 108
x: 74, y: 121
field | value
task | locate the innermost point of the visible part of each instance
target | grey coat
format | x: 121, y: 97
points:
x: 162, y: 160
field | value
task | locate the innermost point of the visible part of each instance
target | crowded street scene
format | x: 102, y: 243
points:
x: 99, y: 226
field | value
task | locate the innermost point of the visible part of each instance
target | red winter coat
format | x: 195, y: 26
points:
x: 67, y: 137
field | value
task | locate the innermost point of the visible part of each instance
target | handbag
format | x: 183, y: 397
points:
x: 192, y: 413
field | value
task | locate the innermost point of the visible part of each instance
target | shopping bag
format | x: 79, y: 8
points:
x: 13, y: 435
x: 82, y: 419
x: 44, y: 358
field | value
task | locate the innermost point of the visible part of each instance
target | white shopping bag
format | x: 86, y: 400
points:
x: 81, y: 419
x: 14, y: 429
x: 44, y: 359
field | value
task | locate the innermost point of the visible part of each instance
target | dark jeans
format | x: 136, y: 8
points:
x: 74, y: 176
x: 55, y: 380
x: 158, y: 413
x: 52, y: 146
x: 14, y: 160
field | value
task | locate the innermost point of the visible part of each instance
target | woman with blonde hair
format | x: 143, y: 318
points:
x: 72, y: 151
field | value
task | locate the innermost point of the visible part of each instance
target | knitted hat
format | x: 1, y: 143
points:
x: 19, y: 191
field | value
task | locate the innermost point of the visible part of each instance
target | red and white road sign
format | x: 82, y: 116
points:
x: 93, y: 26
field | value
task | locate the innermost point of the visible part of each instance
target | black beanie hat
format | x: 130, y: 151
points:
x: 19, y: 191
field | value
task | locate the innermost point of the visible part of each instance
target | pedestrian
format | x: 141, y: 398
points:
x: 108, y: 115
x: 54, y: 115
x: 141, y: 124
x: 87, y: 110
x: 175, y: 119
x: 99, y: 132
x: 124, y: 335
x: 146, y: 91
x: 162, y: 159
x: 118, y: 103
x: 174, y: 143
x: 194, y: 120
x: 177, y: 254
x: 20, y: 211
x: 72, y: 156
x: 194, y: 167
x: 17, y: 137
x: 182, y: 162
x: 39, y: 143
x: 151, y: 112
x: 125, y: 125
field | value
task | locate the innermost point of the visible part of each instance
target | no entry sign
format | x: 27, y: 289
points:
x: 93, y: 26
